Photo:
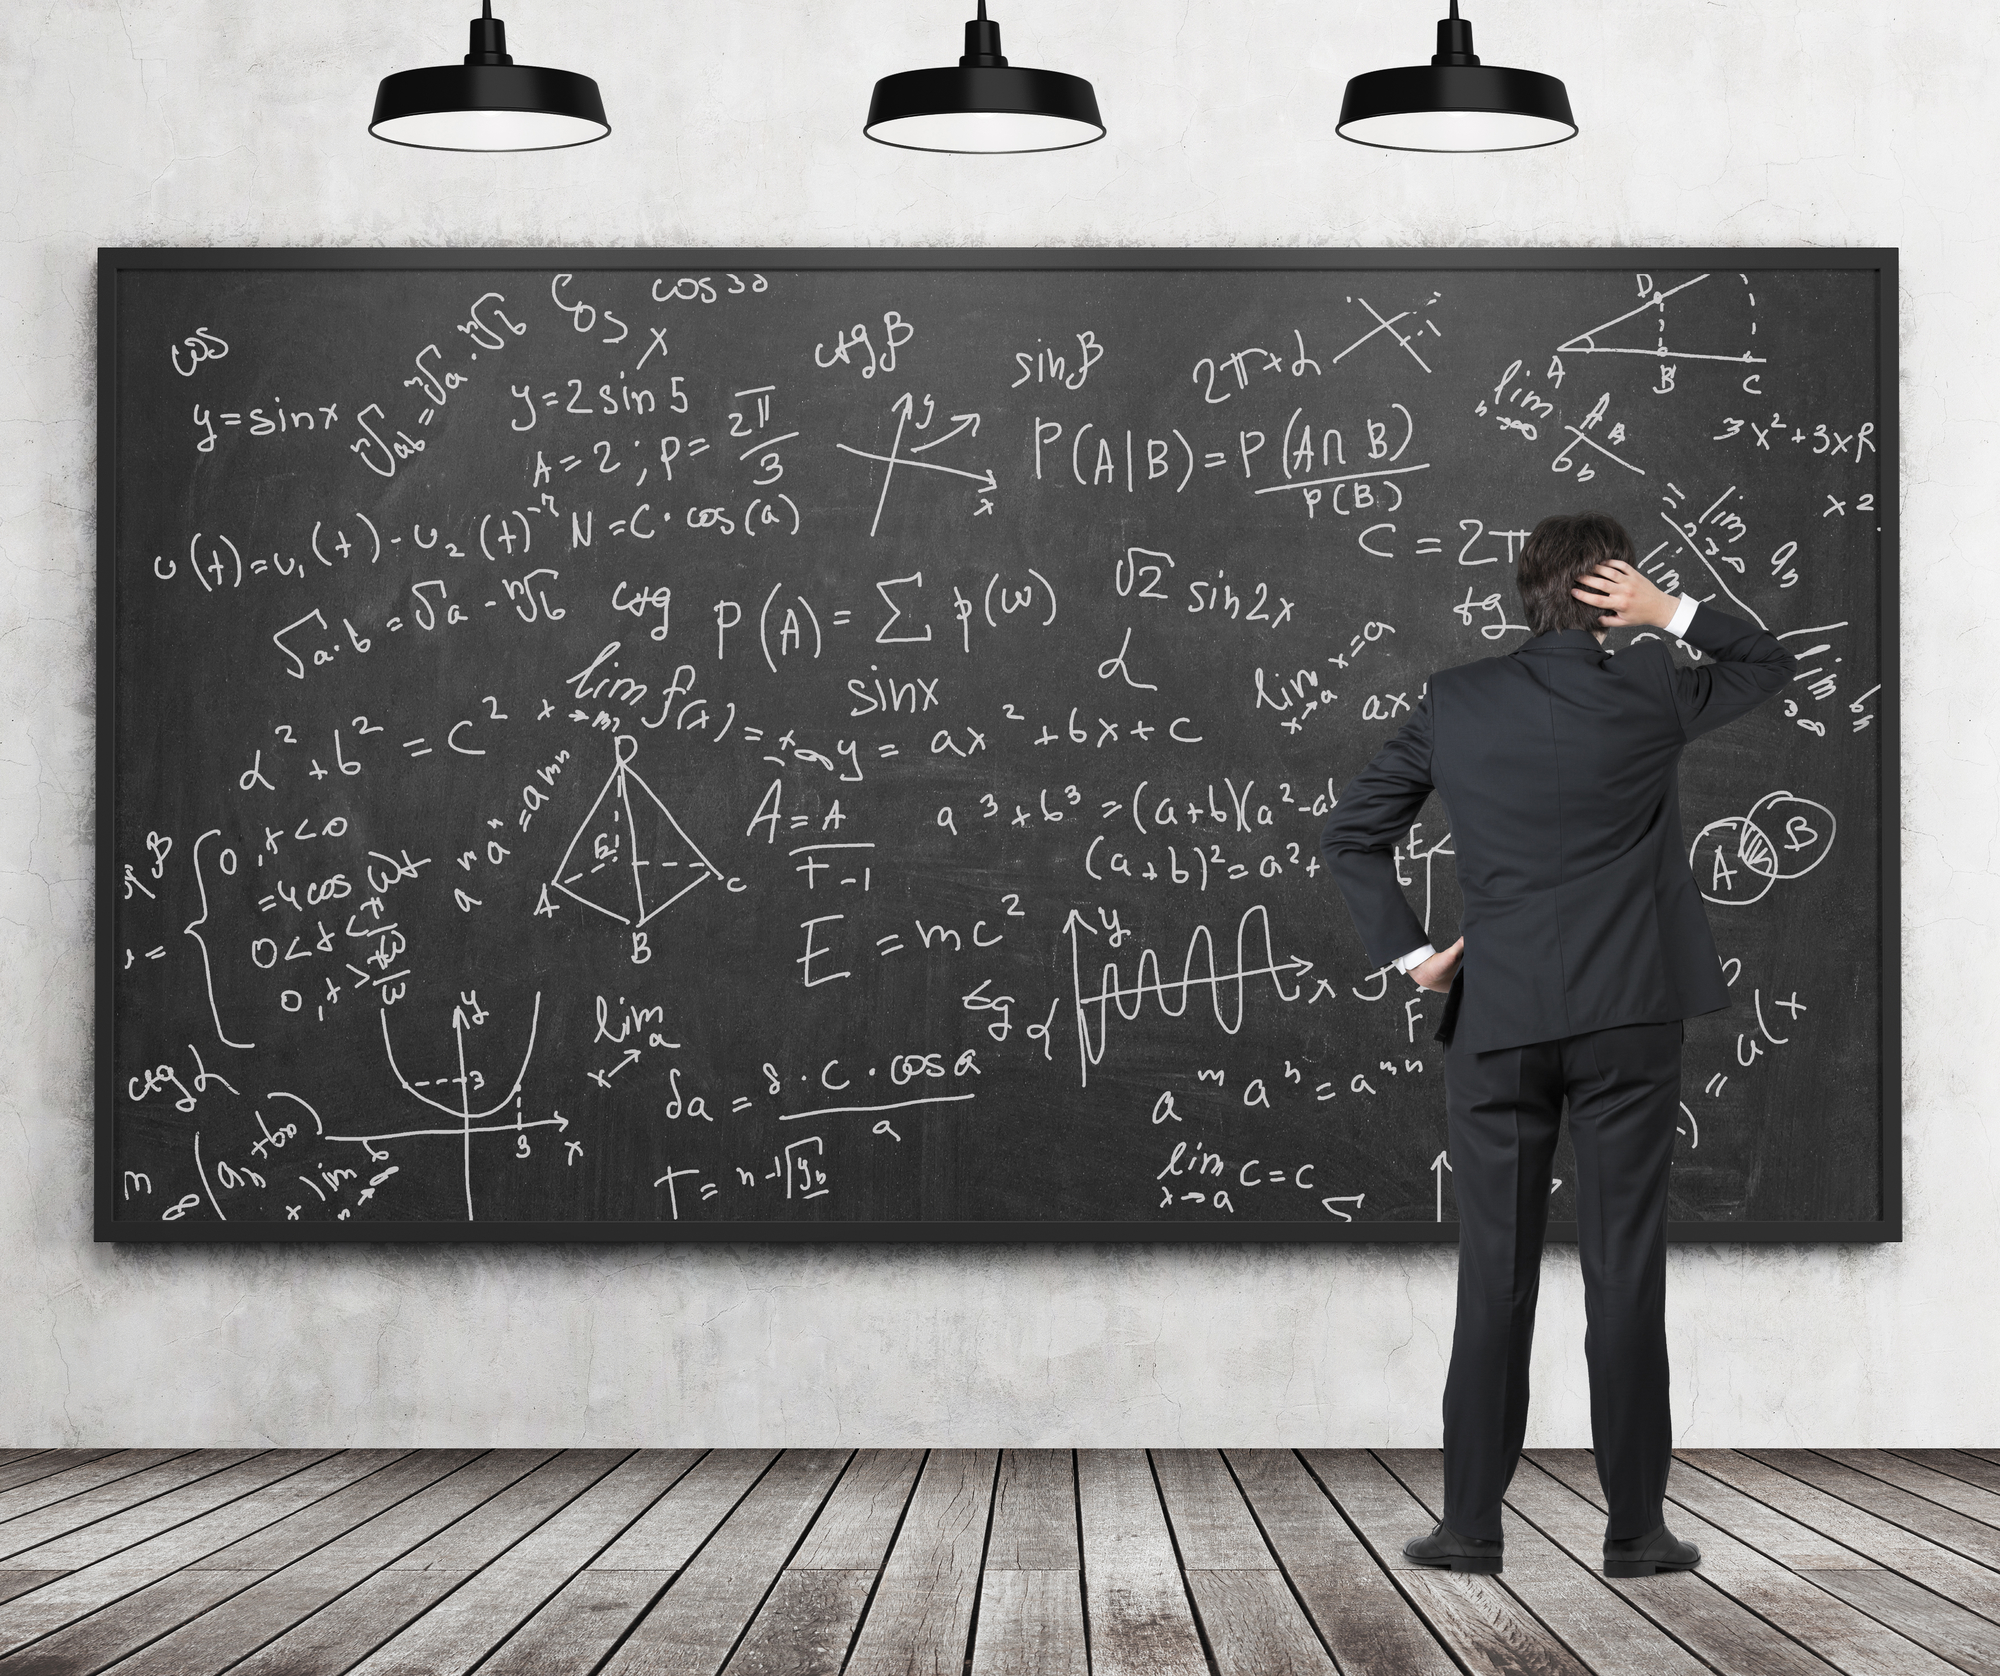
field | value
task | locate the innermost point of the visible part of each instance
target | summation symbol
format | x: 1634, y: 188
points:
x: 1172, y: 993
x: 631, y: 859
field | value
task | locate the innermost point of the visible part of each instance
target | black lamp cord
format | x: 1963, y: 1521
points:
x: 982, y: 42
x: 1455, y: 40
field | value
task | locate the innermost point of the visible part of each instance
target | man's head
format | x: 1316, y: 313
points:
x: 1559, y: 552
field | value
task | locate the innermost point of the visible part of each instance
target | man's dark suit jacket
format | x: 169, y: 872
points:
x: 1559, y: 764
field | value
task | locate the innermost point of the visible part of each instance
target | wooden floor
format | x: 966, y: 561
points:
x: 971, y: 1562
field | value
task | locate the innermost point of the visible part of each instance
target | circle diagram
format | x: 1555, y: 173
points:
x: 1736, y: 860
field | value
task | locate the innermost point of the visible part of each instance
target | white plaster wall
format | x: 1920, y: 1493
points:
x: 1705, y: 122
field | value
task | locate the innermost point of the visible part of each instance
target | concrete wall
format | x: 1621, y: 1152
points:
x: 240, y: 122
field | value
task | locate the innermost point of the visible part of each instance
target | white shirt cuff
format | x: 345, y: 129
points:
x: 1416, y: 957
x: 1677, y: 626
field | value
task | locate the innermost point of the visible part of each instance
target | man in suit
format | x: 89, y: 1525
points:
x: 1584, y: 945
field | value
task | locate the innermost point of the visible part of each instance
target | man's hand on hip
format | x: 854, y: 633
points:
x: 1627, y: 599
x: 1438, y: 971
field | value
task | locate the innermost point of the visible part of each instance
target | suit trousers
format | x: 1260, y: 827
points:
x: 1502, y: 1109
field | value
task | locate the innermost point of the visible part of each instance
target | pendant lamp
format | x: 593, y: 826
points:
x: 488, y: 103
x: 1455, y: 103
x: 984, y: 104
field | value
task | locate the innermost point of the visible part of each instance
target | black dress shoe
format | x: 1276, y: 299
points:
x: 1447, y: 1550
x: 1644, y: 1555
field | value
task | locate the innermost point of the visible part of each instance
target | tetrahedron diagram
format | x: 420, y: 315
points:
x: 631, y: 859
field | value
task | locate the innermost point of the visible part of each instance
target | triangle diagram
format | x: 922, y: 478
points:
x: 1643, y: 331
x: 631, y: 859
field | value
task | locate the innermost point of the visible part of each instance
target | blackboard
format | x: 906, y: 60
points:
x: 807, y: 745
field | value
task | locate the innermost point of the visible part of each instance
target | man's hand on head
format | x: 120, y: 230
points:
x: 1627, y: 599
x: 1438, y: 971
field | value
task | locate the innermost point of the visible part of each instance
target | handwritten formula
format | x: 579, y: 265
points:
x: 663, y: 748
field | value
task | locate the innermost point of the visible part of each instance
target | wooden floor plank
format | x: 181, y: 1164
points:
x: 1764, y: 1527
x: 1926, y: 1518
x: 414, y: 1581
x: 1359, y: 1612
x: 1124, y: 1525
x: 1245, y: 1606
x: 165, y: 1514
x: 1211, y: 1522
x: 853, y: 1530
x: 413, y: 1520
x: 1843, y: 1636
x: 505, y: 1551
x: 1255, y: 1626
x: 1920, y: 1480
x: 199, y: 1539
x: 467, y: 1544
x: 45, y: 1465
x: 666, y: 1538
x: 30, y: 1617
x: 350, y: 1625
x: 1952, y: 1575
x: 1946, y: 1628
x: 692, y: 1628
x: 76, y: 1595
x: 1959, y: 1463
x: 968, y: 1563
x: 474, y: 1619
x: 312, y: 1557
x: 75, y: 1482
x: 146, y: 1603
x: 807, y: 1622
x: 588, y: 1617
x: 30, y: 1469
x: 1141, y: 1620
x: 578, y: 1625
x: 92, y: 1643
x: 805, y: 1625
x: 920, y: 1620
x: 348, y: 1509
x: 1034, y: 1512
x: 1031, y: 1592
x: 95, y: 1586
x: 1685, y: 1604
x: 1484, y: 1626
x: 1030, y: 1624
x: 1597, y: 1624
x: 78, y: 1513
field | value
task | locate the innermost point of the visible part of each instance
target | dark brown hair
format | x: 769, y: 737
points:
x: 1559, y: 552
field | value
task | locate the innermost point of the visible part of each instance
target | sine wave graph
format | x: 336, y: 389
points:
x: 1253, y: 935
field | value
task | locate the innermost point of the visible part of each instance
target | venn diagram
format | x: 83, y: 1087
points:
x: 1737, y: 859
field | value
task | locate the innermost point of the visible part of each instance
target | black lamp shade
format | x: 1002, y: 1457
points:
x: 1455, y: 103
x: 1456, y: 107
x: 991, y: 108
x: 488, y: 107
x: 983, y: 103
x: 488, y: 103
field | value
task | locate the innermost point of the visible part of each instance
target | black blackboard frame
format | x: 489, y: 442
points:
x: 114, y: 263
